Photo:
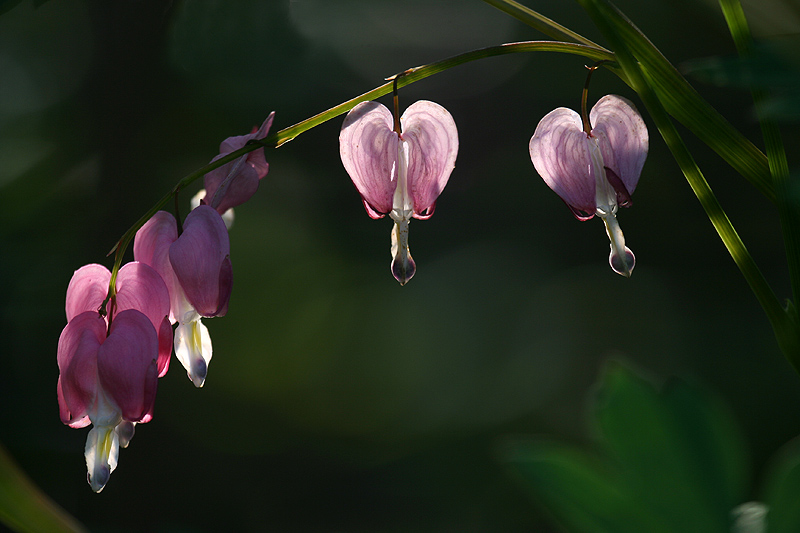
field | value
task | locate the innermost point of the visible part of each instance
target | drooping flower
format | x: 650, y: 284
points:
x: 236, y: 181
x: 108, y: 377
x: 196, y: 268
x: 88, y: 393
x: 594, y: 172
x: 399, y: 173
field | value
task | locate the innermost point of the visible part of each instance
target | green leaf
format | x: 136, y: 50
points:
x: 677, y: 450
x: 539, y: 22
x: 776, y: 154
x: 683, y: 102
x: 614, y: 26
x: 781, y: 490
x: 24, y: 507
x: 674, y: 461
x: 679, y: 98
x: 579, y: 493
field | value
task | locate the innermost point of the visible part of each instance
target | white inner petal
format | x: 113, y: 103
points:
x: 605, y: 197
x: 401, y: 205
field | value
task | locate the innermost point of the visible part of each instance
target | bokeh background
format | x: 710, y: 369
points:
x: 336, y: 399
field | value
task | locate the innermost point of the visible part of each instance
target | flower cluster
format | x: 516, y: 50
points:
x: 116, y: 346
x: 119, y: 335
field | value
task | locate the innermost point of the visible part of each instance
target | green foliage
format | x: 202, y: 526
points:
x: 672, y: 460
x: 781, y: 487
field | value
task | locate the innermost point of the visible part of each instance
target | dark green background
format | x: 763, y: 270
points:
x: 337, y: 400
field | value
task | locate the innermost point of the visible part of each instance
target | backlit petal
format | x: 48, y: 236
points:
x: 368, y: 148
x: 101, y: 453
x: 127, y: 364
x: 623, y: 137
x: 200, y: 260
x: 78, y: 345
x: 432, y: 140
x: 560, y: 152
x: 87, y: 289
x: 151, y: 247
x: 140, y: 287
x: 193, y: 349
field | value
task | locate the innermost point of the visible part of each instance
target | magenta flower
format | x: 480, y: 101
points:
x: 107, y: 377
x: 138, y: 287
x: 236, y: 181
x: 594, y: 172
x: 197, y: 270
x: 399, y: 174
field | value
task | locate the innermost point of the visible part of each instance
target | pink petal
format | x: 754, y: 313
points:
x: 559, y: 151
x: 368, y: 148
x: 78, y: 346
x: 127, y: 364
x: 433, y: 146
x: 201, y: 262
x: 151, y: 247
x: 244, y: 172
x: 623, y: 137
x: 165, y: 339
x: 140, y: 287
x: 87, y: 289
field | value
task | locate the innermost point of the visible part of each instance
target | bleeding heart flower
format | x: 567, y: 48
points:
x: 594, y: 172
x: 197, y: 270
x: 107, y: 377
x: 399, y: 174
x: 235, y: 182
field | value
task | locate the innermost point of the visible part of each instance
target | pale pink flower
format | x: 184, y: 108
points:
x: 595, y: 172
x: 399, y: 174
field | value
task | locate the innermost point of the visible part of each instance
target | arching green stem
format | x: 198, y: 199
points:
x: 407, y: 77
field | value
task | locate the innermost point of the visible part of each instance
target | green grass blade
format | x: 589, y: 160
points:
x: 679, y: 98
x: 540, y: 22
x: 607, y: 19
x: 683, y: 102
x: 776, y: 154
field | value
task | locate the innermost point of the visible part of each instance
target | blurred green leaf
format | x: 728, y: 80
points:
x: 24, y: 507
x: 781, y: 491
x: 674, y: 461
x: 578, y: 491
x: 767, y: 67
x: 678, y: 450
